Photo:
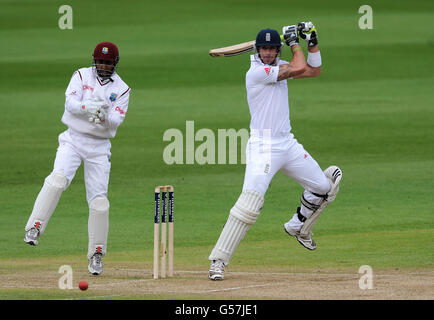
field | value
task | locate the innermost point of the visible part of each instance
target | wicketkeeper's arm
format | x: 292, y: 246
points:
x: 116, y: 115
x: 74, y: 94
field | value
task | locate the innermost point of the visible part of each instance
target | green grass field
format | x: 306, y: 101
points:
x: 370, y: 112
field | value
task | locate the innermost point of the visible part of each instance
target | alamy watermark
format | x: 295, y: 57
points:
x: 65, y: 281
x: 225, y: 146
x: 366, y: 281
x: 65, y: 21
x: 204, y: 153
x: 366, y: 21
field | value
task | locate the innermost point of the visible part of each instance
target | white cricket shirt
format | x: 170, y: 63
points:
x: 267, y: 99
x: 86, y: 85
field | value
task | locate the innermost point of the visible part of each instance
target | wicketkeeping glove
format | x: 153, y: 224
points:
x: 92, y: 109
x: 307, y: 31
x: 101, y: 115
x: 89, y: 107
x: 290, y: 35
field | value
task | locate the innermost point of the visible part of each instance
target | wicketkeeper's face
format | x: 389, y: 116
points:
x: 268, y: 54
x: 104, y: 68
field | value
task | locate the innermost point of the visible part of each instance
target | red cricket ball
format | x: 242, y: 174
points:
x: 83, y: 285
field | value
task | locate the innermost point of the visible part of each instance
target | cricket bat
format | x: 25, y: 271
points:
x: 234, y: 50
x: 245, y: 46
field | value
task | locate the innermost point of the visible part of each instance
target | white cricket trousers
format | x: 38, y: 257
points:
x: 266, y: 156
x: 75, y: 148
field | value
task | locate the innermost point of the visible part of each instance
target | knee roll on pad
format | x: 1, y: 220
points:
x: 99, y: 204
x: 334, y: 175
x: 57, y: 180
x: 248, y: 206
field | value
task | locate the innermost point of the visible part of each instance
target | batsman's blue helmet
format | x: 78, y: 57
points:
x: 268, y: 37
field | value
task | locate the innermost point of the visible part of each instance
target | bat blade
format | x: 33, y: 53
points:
x: 233, y: 50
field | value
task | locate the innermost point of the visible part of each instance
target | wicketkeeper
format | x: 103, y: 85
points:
x: 96, y: 104
x: 272, y: 146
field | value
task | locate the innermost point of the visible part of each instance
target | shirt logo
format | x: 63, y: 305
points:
x: 267, y: 71
x: 120, y: 110
x: 267, y: 37
x: 86, y: 87
x: 113, y: 97
x: 104, y: 50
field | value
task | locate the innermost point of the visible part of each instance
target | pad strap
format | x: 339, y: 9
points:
x: 301, y: 217
x: 324, y: 196
x: 309, y: 205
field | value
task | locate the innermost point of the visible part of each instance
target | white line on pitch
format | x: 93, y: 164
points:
x: 94, y: 297
x: 117, y: 283
x: 356, y: 275
x: 228, y: 289
x: 26, y: 287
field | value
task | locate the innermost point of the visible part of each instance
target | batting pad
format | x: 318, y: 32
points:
x: 334, y: 176
x: 47, y: 201
x: 98, y: 224
x: 243, y: 214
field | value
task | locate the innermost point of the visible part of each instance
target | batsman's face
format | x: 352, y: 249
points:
x: 268, y: 54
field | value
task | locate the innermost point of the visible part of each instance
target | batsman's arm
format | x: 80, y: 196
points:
x: 314, y: 58
x: 309, y: 33
x: 296, y: 67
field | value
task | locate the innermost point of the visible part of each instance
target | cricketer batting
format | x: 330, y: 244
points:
x: 272, y: 146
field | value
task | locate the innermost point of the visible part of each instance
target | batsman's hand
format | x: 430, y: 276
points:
x: 307, y: 31
x: 290, y: 35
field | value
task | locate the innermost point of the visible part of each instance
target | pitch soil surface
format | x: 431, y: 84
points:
x: 31, y: 280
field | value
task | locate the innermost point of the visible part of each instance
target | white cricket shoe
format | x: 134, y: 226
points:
x: 216, y: 270
x: 95, y: 264
x: 31, y: 237
x: 305, y: 240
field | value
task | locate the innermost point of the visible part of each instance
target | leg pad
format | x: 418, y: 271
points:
x: 242, y: 215
x: 47, y: 201
x: 98, y: 225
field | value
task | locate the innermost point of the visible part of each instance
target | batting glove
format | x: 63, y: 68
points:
x: 307, y: 31
x: 290, y: 35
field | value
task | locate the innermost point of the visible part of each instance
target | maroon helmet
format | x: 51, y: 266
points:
x: 107, y: 53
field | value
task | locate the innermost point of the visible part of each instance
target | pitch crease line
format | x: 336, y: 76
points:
x: 234, y: 288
